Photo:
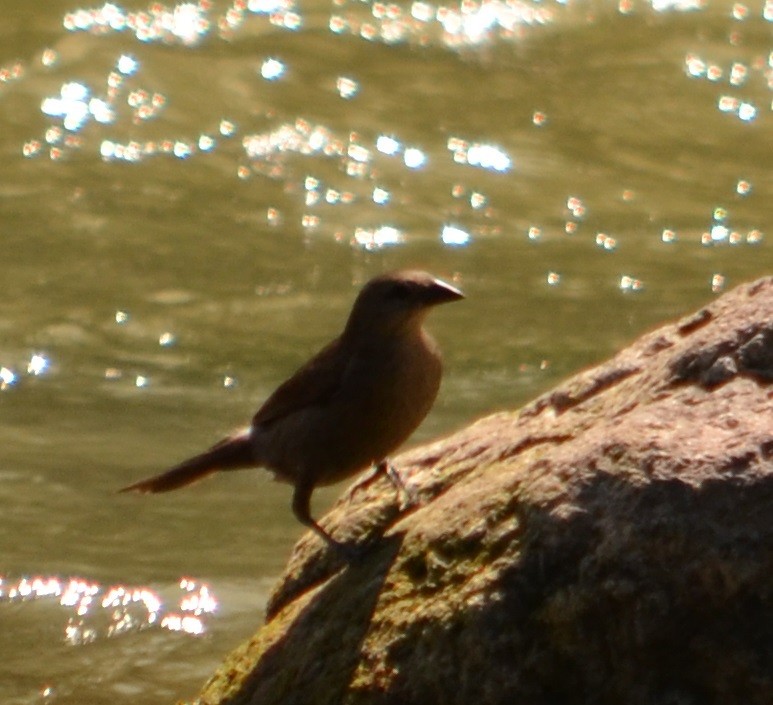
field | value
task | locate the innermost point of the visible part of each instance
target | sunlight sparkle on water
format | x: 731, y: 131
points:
x: 49, y: 58
x: 728, y: 104
x: 274, y: 216
x: 182, y: 150
x: 11, y: 73
x: 743, y: 187
x: 300, y: 137
x: 347, y: 87
x: 422, y: 11
x: 668, y: 236
x: 388, y: 145
x: 102, y: 111
x: 130, y: 152
x: 464, y: 24
x: 374, y: 239
x: 98, y: 20
x: 714, y: 73
x: 629, y: 284
x: 310, y: 221
x: 744, y: 110
x: 288, y: 20
x: 266, y: 7
x: 485, y: 156
x: 179, y: 623
x: 719, y: 233
x: 127, y: 65
x: 455, y: 236
x: 37, y: 365
x: 54, y: 135
x: 272, y: 69
x: 206, y: 143
x: 358, y: 153
x: 677, y: 5
x: 738, y: 74
x: 381, y: 196
x: 477, y: 22
x: 606, y: 242
x: 414, y: 158
x: 94, y: 611
x: 754, y: 237
x: 694, y: 66
x: 740, y: 11
x: 227, y: 128
x: 477, y: 200
x: 576, y: 207
x: 338, y: 24
x: 747, y: 112
x: 71, y: 105
x: 7, y: 378
x: 31, y: 148
x: 186, y: 23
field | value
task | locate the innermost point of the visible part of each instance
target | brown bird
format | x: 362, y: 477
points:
x: 348, y: 407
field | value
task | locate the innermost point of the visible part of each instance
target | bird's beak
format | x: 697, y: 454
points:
x: 442, y: 293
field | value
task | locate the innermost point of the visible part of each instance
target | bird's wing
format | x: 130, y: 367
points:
x: 312, y: 385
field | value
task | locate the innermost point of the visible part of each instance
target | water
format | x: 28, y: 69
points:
x: 194, y: 211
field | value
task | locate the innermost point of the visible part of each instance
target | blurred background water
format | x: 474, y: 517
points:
x: 191, y: 196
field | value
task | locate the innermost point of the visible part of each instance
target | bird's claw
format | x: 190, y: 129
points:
x: 408, y: 496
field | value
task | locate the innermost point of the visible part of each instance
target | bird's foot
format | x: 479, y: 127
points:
x: 408, y: 496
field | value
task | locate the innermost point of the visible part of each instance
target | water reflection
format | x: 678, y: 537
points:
x: 128, y: 101
x: 93, y: 611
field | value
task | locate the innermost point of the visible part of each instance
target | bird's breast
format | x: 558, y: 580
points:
x: 386, y: 389
x: 397, y: 378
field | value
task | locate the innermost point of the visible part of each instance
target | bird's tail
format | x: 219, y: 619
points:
x: 231, y: 453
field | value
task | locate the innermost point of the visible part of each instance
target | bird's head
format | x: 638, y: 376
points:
x: 398, y: 300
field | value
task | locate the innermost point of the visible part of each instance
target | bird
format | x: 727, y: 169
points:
x: 347, y: 409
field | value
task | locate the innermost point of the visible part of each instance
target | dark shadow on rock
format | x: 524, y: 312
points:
x: 645, y: 595
x: 362, y: 528
x: 308, y: 671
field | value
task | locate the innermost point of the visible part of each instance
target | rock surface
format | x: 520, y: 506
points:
x: 612, y: 542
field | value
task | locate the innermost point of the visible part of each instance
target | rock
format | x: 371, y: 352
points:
x: 612, y: 542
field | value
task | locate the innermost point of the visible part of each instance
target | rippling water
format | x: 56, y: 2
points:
x: 192, y: 195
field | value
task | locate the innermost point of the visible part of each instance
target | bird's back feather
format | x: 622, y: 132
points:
x: 312, y: 385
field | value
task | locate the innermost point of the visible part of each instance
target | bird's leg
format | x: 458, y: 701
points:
x: 366, y: 479
x: 408, y: 496
x: 302, y: 511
